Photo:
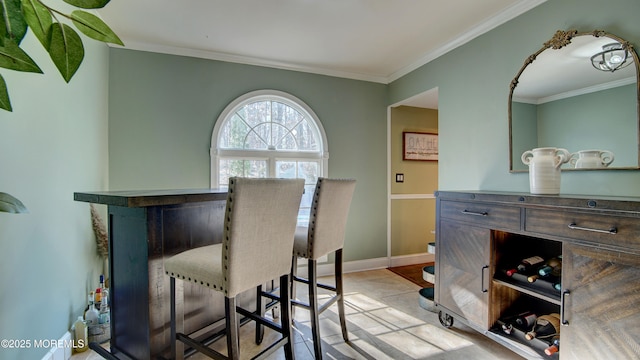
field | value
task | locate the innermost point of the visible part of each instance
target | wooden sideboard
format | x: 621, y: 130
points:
x: 479, y: 234
x: 145, y: 227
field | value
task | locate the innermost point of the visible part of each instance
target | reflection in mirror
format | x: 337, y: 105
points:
x: 578, y: 92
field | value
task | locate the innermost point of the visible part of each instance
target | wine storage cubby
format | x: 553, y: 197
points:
x: 524, y: 291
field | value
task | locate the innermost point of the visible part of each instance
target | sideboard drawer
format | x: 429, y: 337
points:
x: 488, y: 215
x: 619, y: 231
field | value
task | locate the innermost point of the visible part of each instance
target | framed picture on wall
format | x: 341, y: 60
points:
x: 419, y: 146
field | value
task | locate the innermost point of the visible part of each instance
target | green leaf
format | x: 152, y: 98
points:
x: 15, y: 26
x: 5, y: 103
x: 94, y: 27
x: 11, y: 205
x: 39, y: 20
x: 14, y: 58
x: 65, y: 49
x: 88, y: 4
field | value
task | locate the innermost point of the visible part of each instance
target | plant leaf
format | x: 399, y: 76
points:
x: 39, y: 20
x: 65, y: 49
x: 5, y: 103
x: 11, y: 205
x: 14, y: 23
x: 14, y: 58
x: 94, y: 27
x: 88, y: 4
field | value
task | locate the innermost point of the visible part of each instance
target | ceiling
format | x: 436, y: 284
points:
x: 371, y: 40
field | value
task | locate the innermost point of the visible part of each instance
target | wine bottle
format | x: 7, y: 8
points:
x: 545, y: 327
x: 554, y: 347
x: 511, y: 271
x: 551, y: 267
x: 522, y: 321
x: 529, y: 264
x: 526, y: 320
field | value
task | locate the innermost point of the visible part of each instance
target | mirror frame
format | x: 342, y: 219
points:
x: 559, y: 40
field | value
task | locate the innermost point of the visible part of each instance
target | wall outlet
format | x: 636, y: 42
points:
x: 399, y: 178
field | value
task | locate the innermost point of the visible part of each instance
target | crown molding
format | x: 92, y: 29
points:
x: 507, y: 14
x: 491, y: 23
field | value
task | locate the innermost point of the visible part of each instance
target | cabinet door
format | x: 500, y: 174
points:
x: 463, y: 274
x: 601, y: 298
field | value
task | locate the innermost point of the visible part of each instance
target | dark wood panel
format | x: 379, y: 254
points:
x: 602, y: 307
x: 482, y: 214
x: 463, y: 252
x: 556, y: 223
x: 147, y: 198
x: 129, y: 282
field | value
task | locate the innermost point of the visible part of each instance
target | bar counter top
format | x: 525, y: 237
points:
x: 146, y: 198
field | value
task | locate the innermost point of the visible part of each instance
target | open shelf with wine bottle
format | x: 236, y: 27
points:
x: 529, y: 265
x: 525, y: 322
x: 526, y: 294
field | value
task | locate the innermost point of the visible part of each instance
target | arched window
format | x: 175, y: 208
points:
x: 269, y: 133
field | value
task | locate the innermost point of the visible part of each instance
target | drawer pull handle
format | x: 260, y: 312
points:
x: 482, y: 288
x: 613, y: 230
x: 476, y: 213
x: 563, y: 320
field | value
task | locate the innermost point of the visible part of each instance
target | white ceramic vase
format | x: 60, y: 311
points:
x: 544, y: 169
x: 591, y: 159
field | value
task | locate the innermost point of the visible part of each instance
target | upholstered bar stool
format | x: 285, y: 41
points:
x: 259, y: 227
x: 324, y: 235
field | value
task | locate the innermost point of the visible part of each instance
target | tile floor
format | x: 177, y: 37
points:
x: 384, y: 320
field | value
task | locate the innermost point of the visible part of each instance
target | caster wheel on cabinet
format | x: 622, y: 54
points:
x: 445, y: 319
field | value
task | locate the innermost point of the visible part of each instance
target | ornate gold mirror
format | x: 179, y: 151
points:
x: 580, y: 92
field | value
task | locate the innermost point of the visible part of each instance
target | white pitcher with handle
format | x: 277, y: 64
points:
x: 591, y: 159
x: 544, y: 168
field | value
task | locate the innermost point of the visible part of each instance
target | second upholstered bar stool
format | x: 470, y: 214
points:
x: 259, y: 226
x: 324, y: 235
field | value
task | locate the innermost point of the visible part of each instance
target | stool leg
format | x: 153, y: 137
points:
x: 340, y: 294
x: 260, y: 312
x: 285, y: 319
x: 172, y: 291
x: 231, y: 320
x: 292, y: 292
x: 313, y: 309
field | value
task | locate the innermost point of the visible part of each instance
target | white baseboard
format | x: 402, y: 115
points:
x: 326, y: 269
x: 62, y: 352
x: 412, y: 259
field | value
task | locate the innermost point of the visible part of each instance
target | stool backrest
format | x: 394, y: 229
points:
x: 328, y: 217
x: 260, y: 223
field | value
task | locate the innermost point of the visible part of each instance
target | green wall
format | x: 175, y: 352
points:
x: 524, y: 132
x: 583, y: 123
x: 473, y: 82
x: 163, y: 109
x: 599, y: 120
x: 52, y: 144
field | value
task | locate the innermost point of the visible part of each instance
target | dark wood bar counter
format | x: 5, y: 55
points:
x: 144, y: 228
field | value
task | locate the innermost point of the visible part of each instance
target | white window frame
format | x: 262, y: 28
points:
x: 271, y: 155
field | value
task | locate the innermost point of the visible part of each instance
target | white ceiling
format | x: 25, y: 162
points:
x: 372, y: 40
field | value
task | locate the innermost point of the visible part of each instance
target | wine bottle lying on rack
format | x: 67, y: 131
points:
x: 546, y: 327
x: 523, y: 321
x: 554, y: 347
x: 551, y: 267
x: 526, y: 266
